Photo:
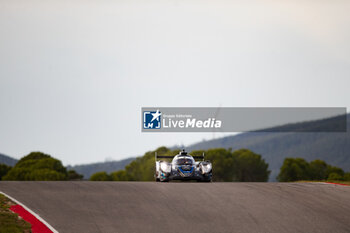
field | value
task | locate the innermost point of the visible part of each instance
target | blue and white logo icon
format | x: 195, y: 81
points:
x: 152, y: 119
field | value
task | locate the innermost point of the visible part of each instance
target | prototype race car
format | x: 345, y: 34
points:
x: 183, y: 167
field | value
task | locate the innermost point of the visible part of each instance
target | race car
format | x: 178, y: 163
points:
x: 183, y: 167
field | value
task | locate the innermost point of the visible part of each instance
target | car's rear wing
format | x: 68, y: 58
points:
x: 172, y: 156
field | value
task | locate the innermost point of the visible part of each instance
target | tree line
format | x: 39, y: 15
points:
x: 241, y: 165
x: 228, y: 166
x: 296, y: 169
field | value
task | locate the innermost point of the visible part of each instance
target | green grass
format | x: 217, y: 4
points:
x: 9, y: 221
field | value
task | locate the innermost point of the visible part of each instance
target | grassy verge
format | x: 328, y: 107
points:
x: 10, y: 222
x: 339, y: 182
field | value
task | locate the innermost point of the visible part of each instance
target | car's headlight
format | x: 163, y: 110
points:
x: 206, y: 168
x: 165, y: 167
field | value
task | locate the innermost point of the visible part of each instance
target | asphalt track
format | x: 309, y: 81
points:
x: 186, y: 207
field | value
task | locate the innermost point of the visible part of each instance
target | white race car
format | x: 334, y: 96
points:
x: 183, y: 167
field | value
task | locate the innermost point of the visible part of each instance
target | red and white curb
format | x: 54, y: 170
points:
x: 39, y: 225
x: 334, y: 183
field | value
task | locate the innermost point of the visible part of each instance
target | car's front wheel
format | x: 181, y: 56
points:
x: 163, y: 179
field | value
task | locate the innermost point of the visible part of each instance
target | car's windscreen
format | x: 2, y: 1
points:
x: 183, y: 161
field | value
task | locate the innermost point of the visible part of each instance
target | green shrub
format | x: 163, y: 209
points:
x: 319, y: 170
x: 250, y: 167
x: 334, y: 176
x: 100, y: 176
x: 120, y: 176
x: 73, y: 175
x: 347, y: 176
x: 294, y: 169
x: 4, y: 169
x: 37, y: 166
x: 337, y: 170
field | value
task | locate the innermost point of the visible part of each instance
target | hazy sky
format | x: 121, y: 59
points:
x: 75, y: 74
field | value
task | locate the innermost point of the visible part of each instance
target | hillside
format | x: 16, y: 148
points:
x: 88, y: 169
x: 274, y: 146
x: 7, y: 160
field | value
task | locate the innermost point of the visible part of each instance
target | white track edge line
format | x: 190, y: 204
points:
x: 31, y: 212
